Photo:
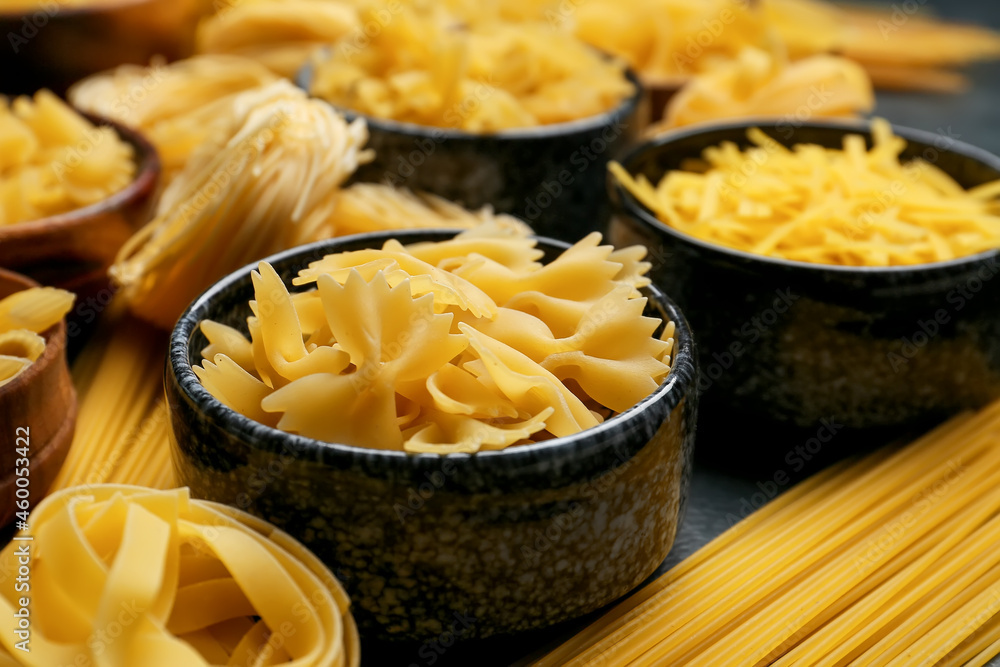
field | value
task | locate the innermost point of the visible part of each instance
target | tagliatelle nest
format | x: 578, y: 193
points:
x: 458, y: 346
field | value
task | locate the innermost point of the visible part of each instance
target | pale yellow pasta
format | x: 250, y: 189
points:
x: 23, y: 316
x: 852, y: 206
x: 184, y: 581
x: 265, y: 184
x: 426, y: 66
x: 392, y: 349
x: 178, y: 106
x: 279, y: 35
x: 53, y: 160
x: 757, y: 83
x: 373, y: 207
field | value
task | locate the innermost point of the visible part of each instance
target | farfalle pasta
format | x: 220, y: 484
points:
x: 184, y: 581
x: 53, y: 160
x: 462, y: 345
x: 24, y: 316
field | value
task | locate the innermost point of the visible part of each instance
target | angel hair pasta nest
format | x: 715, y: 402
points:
x: 461, y: 345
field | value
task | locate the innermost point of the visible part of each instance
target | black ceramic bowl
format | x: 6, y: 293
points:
x: 502, y: 541
x: 793, y: 343
x: 552, y: 176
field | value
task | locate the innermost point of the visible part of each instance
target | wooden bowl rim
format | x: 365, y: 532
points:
x: 147, y: 172
x: 55, y: 342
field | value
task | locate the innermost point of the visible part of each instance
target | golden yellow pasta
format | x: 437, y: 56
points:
x: 279, y: 35
x: 24, y: 316
x: 757, y: 83
x: 890, y: 560
x: 53, y: 160
x: 852, y: 206
x: 457, y: 346
x: 265, y: 184
x: 123, y: 576
x: 178, y: 106
x: 429, y: 68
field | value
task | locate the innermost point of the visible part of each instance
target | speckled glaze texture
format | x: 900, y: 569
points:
x: 794, y: 343
x: 502, y: 541
x: 552, y: 177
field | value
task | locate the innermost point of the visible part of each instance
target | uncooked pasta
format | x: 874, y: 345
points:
x: 53, y: 160
x: 24, y: 317
x: 852, y: 206
x: 457, y: 346
x: 124, y: 576
x: 429, y: 68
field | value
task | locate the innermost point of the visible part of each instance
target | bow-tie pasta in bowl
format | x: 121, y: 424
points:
x: 427, y: 410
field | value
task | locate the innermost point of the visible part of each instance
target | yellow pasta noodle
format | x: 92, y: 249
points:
x: 428, y: 68
x: 53, y: 160
x: 184, y: 581
x: 461, y: 345
x: 279, y: 35
x: 24, y: 315
x: 178, y: 106
x: 852, y: 206
x: 886, y: 561
x: 757, y: 83
x: 266, y: 184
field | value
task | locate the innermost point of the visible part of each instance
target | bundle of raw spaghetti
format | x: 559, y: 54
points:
x: 124, y: 576
x: 53, y: 160
x: 24, y: 317
x: 429, y: 68
x: 178, y: 106
x: 279, y: 35
x: 266, y: 184
x: 456, y: 346
x: 121, y: 427
x: 757, y: 83
x: 852, y: 206
x: 889, y: 561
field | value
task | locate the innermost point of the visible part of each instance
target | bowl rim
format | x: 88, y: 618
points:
x: 55, y: 342
x: 680, y: 382
x: 147, y: 173
x: 626, y: 203
x: 625, y: 108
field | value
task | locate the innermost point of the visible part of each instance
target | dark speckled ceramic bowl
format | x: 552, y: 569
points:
x: 499, y: 542
x: 552, y: 177
x: 795, y: 343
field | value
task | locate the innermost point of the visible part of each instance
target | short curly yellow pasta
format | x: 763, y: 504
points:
x: 24, y: 316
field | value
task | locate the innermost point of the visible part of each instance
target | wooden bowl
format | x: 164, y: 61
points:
x: 52, y: 46
x: 73, y: 250
x: 42, y: 400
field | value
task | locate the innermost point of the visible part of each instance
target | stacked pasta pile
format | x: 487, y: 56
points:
x: 122, y: 575
x: 428, y: 68
x: 854, y: 206
x: 53, y: 160
x: 891, y: 560
x: 24, y: 316
x: 456, y: 346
